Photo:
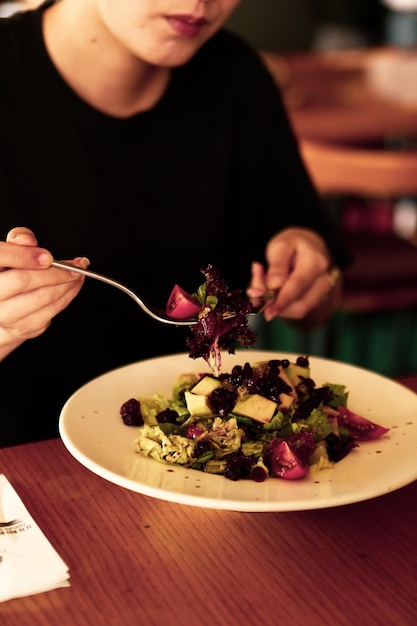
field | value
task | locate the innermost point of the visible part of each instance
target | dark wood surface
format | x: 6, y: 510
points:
x: 136, y: 560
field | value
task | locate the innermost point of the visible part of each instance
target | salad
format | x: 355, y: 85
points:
x: 261, y: 420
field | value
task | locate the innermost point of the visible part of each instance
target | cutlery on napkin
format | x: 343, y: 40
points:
x: 28, y: 562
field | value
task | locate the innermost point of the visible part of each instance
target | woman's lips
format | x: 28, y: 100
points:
x: 186, y: 25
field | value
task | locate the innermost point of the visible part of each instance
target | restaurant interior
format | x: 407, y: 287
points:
x: 156, y: 557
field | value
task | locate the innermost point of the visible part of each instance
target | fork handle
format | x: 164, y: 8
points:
x: 63, y: 265
x: 157, y: 315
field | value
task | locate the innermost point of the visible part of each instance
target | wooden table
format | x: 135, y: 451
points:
x: 136, y: 560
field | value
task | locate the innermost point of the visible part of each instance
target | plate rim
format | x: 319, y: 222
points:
x: 216, y: 503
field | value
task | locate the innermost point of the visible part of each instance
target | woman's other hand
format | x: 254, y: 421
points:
x: 300, y: 277
x: 31, y: 292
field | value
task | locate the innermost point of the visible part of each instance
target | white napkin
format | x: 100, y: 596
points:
x: 28, y: 562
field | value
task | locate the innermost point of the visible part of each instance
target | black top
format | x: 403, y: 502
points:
x: 206, y: 176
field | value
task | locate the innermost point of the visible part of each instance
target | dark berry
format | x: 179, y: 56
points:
x: 221, y: 401
x: 239, y: 466
x: 259, y: 474
x: 200, y: 448
x: 167, y: 416
x: 131, y: 413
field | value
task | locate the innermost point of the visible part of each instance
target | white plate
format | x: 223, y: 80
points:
x: 93, y: 432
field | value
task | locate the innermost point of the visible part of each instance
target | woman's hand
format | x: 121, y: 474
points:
x: 299, y: 278
x: 31, y: 292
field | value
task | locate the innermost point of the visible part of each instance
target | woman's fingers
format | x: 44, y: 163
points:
x: 257, y: 285
x: 297, y: 276
x: 21, y: 236
x: 28, y: 314
x: 31, y: 292
x: 14, y: 282
x: 20, y: 250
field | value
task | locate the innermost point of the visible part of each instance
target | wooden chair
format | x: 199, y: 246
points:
x: 343, y: 115
x: 337, y: 169
x: 384, y: 271
x: 342, y: 123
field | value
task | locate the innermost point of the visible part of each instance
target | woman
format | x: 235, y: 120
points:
x: 141, y: 135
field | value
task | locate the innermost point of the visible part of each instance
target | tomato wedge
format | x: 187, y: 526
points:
x: 357, y: 426
x: 181, y: 305
x: 285, y: 463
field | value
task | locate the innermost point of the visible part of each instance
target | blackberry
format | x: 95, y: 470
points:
x: 131, y: 413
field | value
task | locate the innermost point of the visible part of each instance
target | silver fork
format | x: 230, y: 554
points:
x: 158, y: 314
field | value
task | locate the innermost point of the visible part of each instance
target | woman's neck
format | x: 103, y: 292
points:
x: 99, y: 70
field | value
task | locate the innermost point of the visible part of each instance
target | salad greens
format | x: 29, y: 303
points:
x: 222, y: 318
x: 261, y: 420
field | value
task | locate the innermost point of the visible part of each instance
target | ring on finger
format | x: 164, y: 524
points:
x: 333, y: 277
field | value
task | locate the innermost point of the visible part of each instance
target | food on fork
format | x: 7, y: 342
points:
x: 181, y: 305
x: 222, y: 318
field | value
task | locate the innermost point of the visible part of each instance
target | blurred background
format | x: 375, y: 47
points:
x: 348, y: 73
x: 294, y: 25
